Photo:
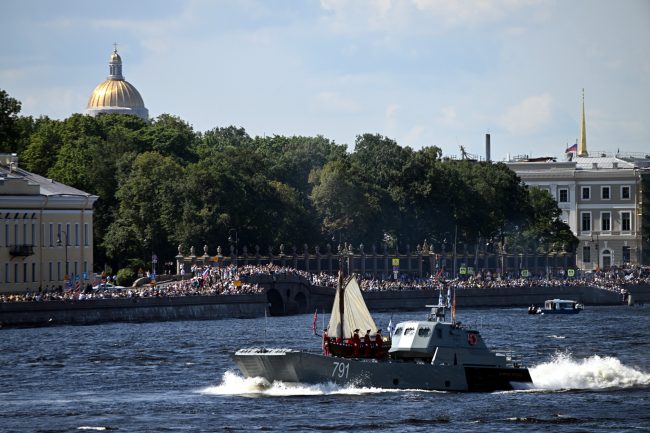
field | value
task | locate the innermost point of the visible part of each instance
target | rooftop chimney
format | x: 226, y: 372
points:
x: 487, y: 147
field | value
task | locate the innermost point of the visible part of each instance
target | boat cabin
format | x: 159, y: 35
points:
x: 561, y: 305
x: 440, y: 342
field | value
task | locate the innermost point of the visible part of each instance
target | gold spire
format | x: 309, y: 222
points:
x: 582, y: 144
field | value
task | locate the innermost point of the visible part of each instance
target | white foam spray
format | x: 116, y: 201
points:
x: 234, y: 384
x: 595, y: 372
x: 561, y: 373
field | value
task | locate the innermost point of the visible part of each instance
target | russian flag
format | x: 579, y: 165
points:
x: 573, y: 148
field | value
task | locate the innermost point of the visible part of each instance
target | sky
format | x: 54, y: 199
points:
x: 421, y: 72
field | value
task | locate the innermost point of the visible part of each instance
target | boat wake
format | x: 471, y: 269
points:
x: 596, y: 372
x: 234, y: 384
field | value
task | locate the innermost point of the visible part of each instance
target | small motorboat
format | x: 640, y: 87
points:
x: 557, y: 306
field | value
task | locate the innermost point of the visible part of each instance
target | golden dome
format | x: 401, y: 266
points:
x: 115, y: 57
x: 115, y: 93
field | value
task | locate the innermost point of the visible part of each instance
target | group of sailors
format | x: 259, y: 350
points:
x: 360, y: 348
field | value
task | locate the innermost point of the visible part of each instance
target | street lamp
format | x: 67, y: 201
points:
x: 58, y: 243
x: 235, y: 241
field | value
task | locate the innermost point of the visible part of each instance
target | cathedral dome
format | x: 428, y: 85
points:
x: 116, y: 95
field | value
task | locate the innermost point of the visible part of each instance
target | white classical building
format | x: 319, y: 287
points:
x: 46, y: 231
x: 600, y: 200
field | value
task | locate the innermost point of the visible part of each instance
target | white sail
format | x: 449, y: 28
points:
x: 355, y: 313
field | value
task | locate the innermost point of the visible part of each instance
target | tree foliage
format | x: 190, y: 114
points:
x: 161, y: 184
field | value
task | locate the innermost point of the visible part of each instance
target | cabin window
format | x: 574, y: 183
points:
x: 424, y: 332
x: 409, y: 331
x: 398, y: 331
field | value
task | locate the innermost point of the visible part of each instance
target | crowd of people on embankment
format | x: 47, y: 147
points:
x: 238, y: 280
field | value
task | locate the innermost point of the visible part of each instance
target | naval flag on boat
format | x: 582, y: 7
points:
x: 313, y: 326
x: 390, y: 327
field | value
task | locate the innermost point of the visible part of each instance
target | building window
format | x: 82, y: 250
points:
x: 586, y: 254
x: 86, y: 234
x: 51, y: 234
x: 563, y: 195
x: 33, y: 233
x: 67, y: 234
x: 626, y: 221
x: 76, y: 234
x: 625, y: 192
x: 24, y: 272
x: 15, y: 272
x: 605, y: 193
x: 58, y: 232
x: 58, y: 271
x: 605, y: 221
x: 6, y: 272
x: 586, y: 222
x: 586, y: 192
x: 51, y: 275
x: 34, y: 272
x: 626, y: 255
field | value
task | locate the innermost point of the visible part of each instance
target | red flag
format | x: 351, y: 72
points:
x: 453, y: 307
x: 313, y: 326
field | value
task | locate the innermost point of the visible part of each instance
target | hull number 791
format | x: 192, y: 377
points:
x: 341, y: 370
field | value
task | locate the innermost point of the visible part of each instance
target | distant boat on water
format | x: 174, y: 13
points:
x: 557, y: 306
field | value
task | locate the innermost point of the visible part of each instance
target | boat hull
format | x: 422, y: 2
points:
x: 303, y: 367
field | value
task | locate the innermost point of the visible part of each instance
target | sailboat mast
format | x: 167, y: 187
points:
x: 341, y: 301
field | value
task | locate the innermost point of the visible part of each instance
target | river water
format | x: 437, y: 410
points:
x: 591, y: 373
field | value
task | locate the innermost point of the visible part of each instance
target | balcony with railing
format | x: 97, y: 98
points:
x: 21, y: 250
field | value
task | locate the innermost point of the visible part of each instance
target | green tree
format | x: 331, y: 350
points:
x: 148, y: 211
x: 344, y: 206
x: 171, y: 136
x: 44, y: 146
x: 10, y: 130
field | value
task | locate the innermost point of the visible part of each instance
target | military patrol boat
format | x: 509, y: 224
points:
x: 430, y: 354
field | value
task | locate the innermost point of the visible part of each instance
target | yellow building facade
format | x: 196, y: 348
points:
x: 46, y: 231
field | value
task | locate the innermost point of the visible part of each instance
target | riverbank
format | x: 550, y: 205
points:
x: 284, y: 296
x: 89, y: 312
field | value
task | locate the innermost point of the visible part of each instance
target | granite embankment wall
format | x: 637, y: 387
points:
x: 286, y: 294
x: 89, y: 312
x: 321, y: 297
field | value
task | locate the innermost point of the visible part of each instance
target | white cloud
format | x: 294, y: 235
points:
x: 392, y: 15
x: 529, y: 116
x: 449, y: 117
x: 391, y: 114
x: 332, y: 101
x: 413, y: 137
